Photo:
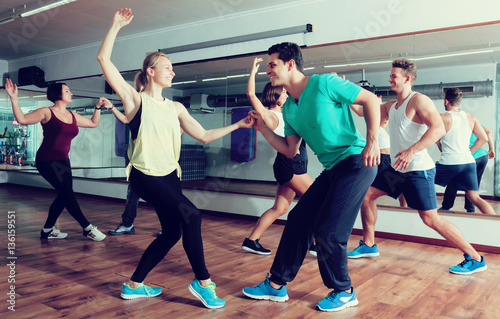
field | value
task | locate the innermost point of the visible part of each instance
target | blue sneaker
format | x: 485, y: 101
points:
x: 142, y: 291
x: 469, y: 266
x: 206, y: 295
x: 363, y: 251
x: 264, y: 291
x: 445, y: 209
x: 338, y: 300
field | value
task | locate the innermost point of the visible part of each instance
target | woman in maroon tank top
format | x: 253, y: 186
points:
x: 60, y: 126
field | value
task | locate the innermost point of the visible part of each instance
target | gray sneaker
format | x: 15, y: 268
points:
x: 122, y: 230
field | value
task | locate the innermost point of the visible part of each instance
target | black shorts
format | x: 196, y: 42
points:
x: 385, y: 160
x: 284, y: 168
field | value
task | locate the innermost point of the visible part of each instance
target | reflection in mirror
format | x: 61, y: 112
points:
x: 212, y: 89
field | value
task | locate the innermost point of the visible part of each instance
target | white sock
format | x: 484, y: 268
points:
x: 89, y: 227
x: 47, y: 230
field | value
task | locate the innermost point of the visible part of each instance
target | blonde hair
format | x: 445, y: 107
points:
x: 141, y: 78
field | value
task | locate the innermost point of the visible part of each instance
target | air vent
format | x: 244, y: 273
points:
x: 465, y: 89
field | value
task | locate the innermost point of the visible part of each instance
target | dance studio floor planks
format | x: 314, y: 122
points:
x: 78, y: 278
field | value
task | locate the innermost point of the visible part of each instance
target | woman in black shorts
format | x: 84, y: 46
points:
x: 291, y: 173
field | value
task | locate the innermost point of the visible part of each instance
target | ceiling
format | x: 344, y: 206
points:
x: 82, y: 23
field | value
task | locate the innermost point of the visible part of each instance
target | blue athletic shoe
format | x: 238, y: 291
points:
x: 469, y: 266
x: 206, y: 295
x: 142, y: 291
x: 338, y: 300
x: 264, y: 291
x: 363, y: 251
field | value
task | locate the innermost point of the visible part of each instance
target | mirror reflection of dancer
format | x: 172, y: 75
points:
x: 481, y: 157
x: 457, y: 164
x: 60, y: 126
x: 129, y: 214
x: 414, y: 125
x: 154, y: 170
x: 290, y: 173
x: 317, y: 110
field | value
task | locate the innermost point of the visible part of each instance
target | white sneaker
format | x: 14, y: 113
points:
x: 53, y: 234
x: 56, y: 233
x: 94, y: 234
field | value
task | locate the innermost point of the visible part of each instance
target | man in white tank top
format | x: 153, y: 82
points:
x: 457, y: 163
x: 414, y: 125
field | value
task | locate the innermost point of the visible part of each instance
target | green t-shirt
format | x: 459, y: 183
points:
x: 323, y: 119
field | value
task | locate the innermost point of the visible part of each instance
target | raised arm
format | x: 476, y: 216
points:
x: 196, y: 131
x: 270, y: 119
x: 129, y: 96
x: 38, y: 115
x: 371, y: 112
x: 480, y: 133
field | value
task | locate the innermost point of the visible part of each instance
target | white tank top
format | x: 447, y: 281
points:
x: 403, y: 134
x: 384, y: 140
x: 280, y: 129
x: 455, y: 143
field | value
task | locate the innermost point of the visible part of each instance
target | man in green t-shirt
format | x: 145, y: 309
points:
x: 317, y: 111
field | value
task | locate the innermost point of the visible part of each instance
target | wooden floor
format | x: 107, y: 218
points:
x: 78, y: 278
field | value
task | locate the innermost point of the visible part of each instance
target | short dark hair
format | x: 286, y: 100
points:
x: 288, y: 51
x: 271, y: 94
x: 454, y: 96
x: 54, y: 92
x: 409, y: 67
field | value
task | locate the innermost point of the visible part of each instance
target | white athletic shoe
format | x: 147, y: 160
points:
x: 94, y: 234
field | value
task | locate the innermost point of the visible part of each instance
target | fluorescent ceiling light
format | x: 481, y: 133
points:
x: 184, y: 82
x: 213, y: 79
x: 452, y: 55
x: 6, y: 20
x: 410, y: 58
x: 237, y: 76
x: 356, y: 64
x: 44, y: 7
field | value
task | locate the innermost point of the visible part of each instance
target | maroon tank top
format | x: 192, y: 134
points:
x: 57, y: 137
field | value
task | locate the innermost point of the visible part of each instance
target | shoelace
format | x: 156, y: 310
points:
x: 465, y: 262
x: 333, y: 294
x: 212, y: 291
x: 146, y: 288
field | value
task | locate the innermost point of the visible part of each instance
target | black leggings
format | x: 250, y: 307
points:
x: 58, y: 174
x: 177, y: 215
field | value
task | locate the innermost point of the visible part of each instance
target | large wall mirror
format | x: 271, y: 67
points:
x: 213, y: 89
